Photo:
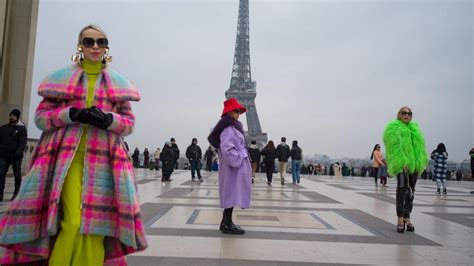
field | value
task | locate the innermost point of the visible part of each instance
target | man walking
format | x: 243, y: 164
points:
x: 12, y: 145
x: 194, y: 155
x: 175, y: 148
x: 254, y: 157
x: 283, y: 153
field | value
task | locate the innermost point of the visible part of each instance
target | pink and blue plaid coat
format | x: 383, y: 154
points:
x: 110, y: 205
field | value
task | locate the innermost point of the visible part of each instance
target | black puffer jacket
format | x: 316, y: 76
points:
x: 193, y: 152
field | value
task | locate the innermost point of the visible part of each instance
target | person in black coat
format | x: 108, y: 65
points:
x: 283, y: 153
x: 194, y: 155
x: 269, y: 154
x: 12, y: 146
x: 175, y: 152
x: 310, y: 169
x: 167, y: 158
x: 146, y: 158
x: 296, y: 154
x: 254, y: 153
x: 136, y: 158
x: 208, y: 156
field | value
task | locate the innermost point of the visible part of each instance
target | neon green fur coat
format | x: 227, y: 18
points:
x: 404, y: 145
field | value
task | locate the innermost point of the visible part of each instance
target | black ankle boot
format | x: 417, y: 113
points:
x: 444, y: 191
x: 410, y: 227
x: 228, y: 227
x: 232, y: 229
x: 438, y: 191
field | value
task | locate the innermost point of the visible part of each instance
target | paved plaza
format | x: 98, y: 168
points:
x: 322, y: 221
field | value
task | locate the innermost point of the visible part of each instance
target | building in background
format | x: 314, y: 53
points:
x: 18, y: 20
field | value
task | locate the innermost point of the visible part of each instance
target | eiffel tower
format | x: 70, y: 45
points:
x: 241, y: 85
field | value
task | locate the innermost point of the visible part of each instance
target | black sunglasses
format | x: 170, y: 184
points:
x: 101, y: 42
x: 407, y: 113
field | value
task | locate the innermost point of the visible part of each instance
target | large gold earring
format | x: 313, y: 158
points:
x: 79, y: 56
x: 106, y: 58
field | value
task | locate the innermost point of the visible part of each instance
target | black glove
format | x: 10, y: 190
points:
x: 98, y: 118
x: 79, y: 115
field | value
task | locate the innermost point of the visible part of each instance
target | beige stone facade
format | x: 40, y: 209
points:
x: 18, y: 20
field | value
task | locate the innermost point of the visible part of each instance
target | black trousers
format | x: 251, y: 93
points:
x: 375, y: 172
x: 270, y: 167
x: 405, y: 193
x: 4, y: 165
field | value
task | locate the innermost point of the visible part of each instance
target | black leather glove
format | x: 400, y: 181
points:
x: 98, y: 118
x: 79, y: 115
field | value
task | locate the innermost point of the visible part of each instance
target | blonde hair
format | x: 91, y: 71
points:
x: 90, y: 26
x: 400, y: 112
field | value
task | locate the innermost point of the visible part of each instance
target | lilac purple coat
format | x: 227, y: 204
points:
x: 235, y: 171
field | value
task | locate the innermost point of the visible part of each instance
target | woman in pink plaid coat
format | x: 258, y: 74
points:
x: 79, y: 202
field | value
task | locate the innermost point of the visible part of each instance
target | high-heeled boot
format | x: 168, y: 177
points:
x: 410, y: 227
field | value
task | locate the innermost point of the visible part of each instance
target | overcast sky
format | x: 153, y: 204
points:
x: 330, y: 74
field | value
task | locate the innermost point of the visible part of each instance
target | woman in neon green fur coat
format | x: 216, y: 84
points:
x: 406, y: 157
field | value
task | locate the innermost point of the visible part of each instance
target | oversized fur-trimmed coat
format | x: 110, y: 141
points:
x: 110, y: 205
x: 404, y: 145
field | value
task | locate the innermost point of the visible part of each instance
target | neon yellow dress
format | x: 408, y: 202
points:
x: 72, y: 248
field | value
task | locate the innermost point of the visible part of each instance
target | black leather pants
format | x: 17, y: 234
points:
x: 405, y: 193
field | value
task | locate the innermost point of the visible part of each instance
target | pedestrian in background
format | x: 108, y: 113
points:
x: 167, y: 159
x: 194, y: 155
x: 208, y: 157
x: 136, y: 158
x: 254, y: 157
x: 175, y: 152
x: 440, y: 157
x: 337, y: 169
x: 146, y: 158
x: 13, y: 138
x: 383, y: 174
x: 376, y: 158
x: 269, y: 154
x: 283, y: 154
x: 296, y: 154
x: 157, y: 158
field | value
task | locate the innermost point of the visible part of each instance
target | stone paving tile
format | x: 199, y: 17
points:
x: 444, y: 224
x: 153, y: 261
